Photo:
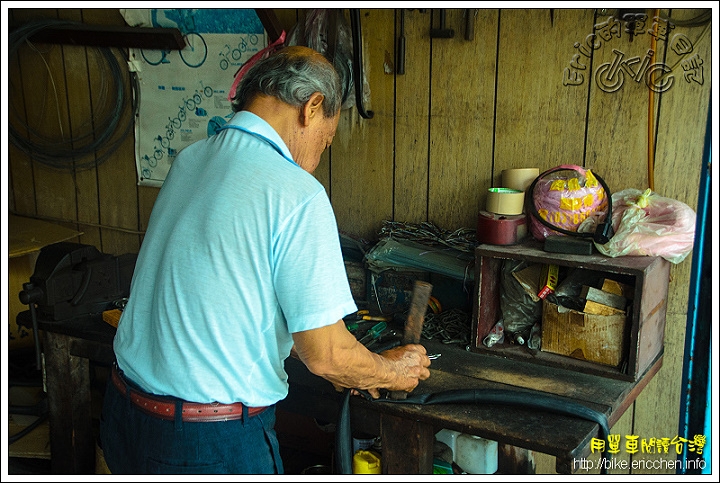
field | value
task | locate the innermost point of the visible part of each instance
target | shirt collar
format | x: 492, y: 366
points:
x: 247, y: 121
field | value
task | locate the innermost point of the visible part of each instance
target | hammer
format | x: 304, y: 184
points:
x: 442, y: 32
x: 415, y: 320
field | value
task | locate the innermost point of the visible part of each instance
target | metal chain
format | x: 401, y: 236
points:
x: 449, y: 327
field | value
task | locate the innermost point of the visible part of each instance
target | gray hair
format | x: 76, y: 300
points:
x: 293, y: 79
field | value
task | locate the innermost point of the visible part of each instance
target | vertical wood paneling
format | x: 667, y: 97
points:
x: 657, y: 408
x: 682, y: 110
x: 79, y: 80
x: 461, y: 123
x: 679, y: 110
x: 146, y: 199
x: 44, y: 73
x: 362, y: 153
x: 412, y: 120
x: 617, y: 146
x: 540, y: 121
x: 441, y: 135
x: 117, y: 176
x: 21, y: 179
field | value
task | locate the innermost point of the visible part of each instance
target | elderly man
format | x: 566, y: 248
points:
x: 240, y: 267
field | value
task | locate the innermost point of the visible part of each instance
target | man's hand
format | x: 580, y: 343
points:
x: 412, y: 366
x: 412, y: 362
x: 333, y: 353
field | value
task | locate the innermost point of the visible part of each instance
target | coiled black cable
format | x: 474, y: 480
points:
x: 101, y: 142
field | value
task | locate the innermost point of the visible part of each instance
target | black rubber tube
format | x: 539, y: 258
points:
x: 528, y: 399
x: 343, y: 438
x: 28, y: 429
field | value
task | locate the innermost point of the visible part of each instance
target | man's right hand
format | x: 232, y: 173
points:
x: 333, y: 353
x: 412, y: 365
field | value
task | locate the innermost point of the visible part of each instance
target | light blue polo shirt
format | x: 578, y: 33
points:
x: 242, y: 249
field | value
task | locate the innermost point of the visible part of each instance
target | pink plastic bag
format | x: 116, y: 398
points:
x: 564, y: 197
x: 651, y: 225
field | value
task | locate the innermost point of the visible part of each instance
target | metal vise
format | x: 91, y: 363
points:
x: 72, y: 279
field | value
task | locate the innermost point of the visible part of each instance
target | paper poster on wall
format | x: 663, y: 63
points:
x: 183, y: 94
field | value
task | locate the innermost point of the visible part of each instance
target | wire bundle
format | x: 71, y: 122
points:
x: 98, y: 143
x: 427, y: 233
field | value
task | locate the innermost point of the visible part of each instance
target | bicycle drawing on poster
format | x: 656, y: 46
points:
x: 183, y: 93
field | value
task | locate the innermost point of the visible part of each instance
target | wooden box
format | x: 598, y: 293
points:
x: 640, y: 340
x: 588, y: 337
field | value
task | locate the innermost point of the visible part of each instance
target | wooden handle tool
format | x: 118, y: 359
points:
x: 415, y: 320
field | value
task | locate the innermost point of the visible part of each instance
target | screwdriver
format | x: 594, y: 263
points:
x: 365, y: 315
x: 374, y: 332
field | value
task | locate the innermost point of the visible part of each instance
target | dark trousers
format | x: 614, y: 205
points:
x: 134, y: 442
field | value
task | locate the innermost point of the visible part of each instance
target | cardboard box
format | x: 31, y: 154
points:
x: 529, y: 279
x: 595, y: 338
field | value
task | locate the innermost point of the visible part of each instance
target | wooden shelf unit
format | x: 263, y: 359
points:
x: 645, y: 329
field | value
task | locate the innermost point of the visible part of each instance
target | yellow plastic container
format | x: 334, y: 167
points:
x: 366, y: 463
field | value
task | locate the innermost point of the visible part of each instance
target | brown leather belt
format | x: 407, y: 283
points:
x: 164, y: 408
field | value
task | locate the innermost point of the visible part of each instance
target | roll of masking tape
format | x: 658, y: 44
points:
x: 505, y: 201
x: 501, y: 229
x: 519, y: 179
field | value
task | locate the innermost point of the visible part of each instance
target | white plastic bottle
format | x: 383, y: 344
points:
x: 476, y: 455
x: 449, y: 437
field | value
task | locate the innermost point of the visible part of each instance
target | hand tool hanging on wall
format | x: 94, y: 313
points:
x: 470, y: 14
x: 442, y: 32
x: 326, y: 31
x: 357, y: 63
x: 400, y: 61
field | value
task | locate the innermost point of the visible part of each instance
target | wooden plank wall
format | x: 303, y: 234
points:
x: 441, y: 135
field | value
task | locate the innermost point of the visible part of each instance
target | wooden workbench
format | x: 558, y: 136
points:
x: 407, y: 430
x: 68, y: 348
